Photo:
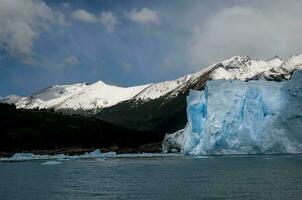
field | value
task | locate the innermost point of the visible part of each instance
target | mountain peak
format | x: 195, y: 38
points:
x: 294, y: 60
x: 99, y: 82
x: 236, y: 60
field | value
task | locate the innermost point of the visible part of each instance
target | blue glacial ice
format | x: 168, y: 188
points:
x: 236, y: 117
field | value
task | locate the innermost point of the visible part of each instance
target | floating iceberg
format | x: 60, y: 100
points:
x: 236, y: 117
x: 30, y: 156
x: 52, y: 162
x: 26, y: 156
x: 55, y: 159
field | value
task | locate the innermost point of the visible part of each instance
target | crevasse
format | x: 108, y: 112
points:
x: 237, y: 117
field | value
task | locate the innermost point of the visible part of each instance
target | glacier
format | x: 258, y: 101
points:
x: 237, y: 117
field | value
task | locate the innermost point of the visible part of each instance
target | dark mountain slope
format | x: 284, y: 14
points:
x: 166, y: 114
x: 31, y: 130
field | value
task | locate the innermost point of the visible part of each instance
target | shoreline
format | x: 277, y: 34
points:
x: 96, y: 154
x: 78, y: 150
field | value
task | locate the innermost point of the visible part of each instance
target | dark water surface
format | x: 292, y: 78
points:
x: 256, y: 177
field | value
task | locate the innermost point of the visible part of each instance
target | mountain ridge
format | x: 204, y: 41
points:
x: 167, y: 113
x: 99, y: 95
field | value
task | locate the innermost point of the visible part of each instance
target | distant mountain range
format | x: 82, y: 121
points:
x: 156, y: 106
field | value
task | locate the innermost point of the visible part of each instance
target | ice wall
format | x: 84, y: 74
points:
x: 236, y: 117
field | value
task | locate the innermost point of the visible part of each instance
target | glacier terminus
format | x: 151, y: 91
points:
x: 237, y: 117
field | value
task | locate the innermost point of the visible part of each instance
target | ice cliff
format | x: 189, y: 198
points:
x: 237, y: 117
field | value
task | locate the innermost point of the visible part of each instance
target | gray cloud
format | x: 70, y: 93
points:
x: 84, y: 16
x: 108, y: 20
x: 22, y: 22
x: 261, y: 30
x: 61, y: 19
x: 144, y: 16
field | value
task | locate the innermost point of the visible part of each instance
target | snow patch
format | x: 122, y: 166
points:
x: 79, y: 96
x: 11, y: 99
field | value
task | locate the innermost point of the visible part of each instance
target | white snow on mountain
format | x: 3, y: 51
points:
x: 237, y: 67
x: 11, y: 99
x: 243, y: 68
x: 157, y: 90
x: 79, y: 96
x: 50, y: 97
x: 101, y: 95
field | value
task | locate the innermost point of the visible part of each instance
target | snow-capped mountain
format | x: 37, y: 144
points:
x: 81, y: 96
x: 11, y: 99
x: 99, y: 95
x: 167, y: 113
x: 237, y: 67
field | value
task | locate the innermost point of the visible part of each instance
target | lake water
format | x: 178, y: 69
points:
x: 253, y: 177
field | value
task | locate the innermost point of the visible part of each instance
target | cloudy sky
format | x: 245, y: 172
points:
x: 47, y: 42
